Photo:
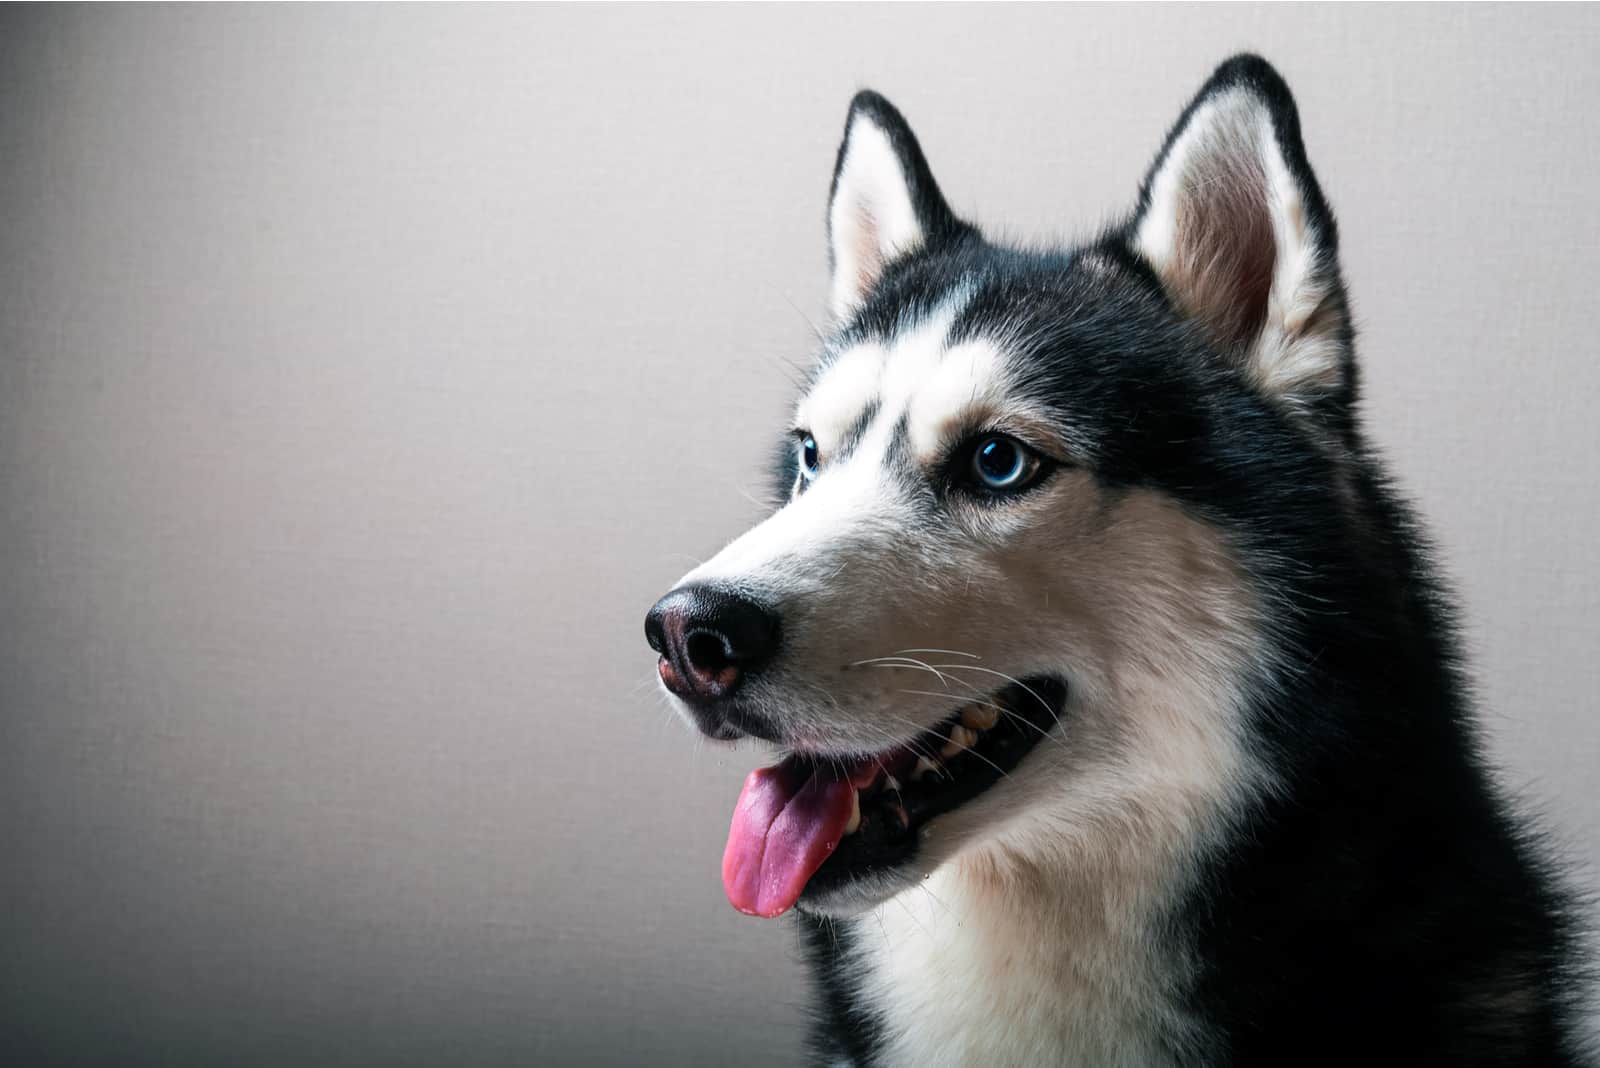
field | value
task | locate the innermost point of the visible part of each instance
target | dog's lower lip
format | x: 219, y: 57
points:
x: 733, y: 724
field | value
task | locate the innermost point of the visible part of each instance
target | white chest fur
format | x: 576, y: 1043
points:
x: 978, y: 968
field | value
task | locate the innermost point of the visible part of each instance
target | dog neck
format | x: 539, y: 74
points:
x: 998, y: 959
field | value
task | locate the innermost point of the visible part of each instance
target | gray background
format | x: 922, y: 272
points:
x: 365, y: 374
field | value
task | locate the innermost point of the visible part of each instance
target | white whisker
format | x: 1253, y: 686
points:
x: 901, y: 661
x: 941, y: 904
x: 913, y: 916
x: 1002, y: 709
x: 1024, y: 687
x: 972, y: 752
x: 936, y: 693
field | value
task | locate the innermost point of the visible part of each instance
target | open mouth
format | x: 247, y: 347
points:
x: 812, y: 823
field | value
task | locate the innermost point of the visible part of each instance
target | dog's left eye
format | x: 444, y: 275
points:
x: 1000, y: 464
x: 810, y: 458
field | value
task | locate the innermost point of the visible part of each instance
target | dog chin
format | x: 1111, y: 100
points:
x: 859, y: 894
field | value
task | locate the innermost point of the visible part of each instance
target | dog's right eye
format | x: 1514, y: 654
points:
x: 997, y: 465
x: 810, y: 458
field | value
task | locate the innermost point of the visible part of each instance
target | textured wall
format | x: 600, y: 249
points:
x: 365, y: 374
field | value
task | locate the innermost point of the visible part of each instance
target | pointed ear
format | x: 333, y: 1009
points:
x: 1234, y: 225
x: 884, y: 204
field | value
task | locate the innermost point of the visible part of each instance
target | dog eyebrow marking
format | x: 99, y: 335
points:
x: 874, y: 378
x: 917, y: 352
x: 845, y: 391
x: 900, y: 444
x: 971, y: 377
x: 858, y: 430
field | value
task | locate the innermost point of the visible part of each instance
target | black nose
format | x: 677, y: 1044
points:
x: 709, y: 640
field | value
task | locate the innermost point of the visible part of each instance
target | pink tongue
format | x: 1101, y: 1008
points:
x: 788, y: 820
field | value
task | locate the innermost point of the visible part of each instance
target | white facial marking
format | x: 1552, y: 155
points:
x: 918, y: 355
x: 841, y: 393
x: 892, y: 375
x: 972, y: 375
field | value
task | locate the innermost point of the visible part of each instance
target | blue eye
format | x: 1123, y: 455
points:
x: 809, y: 457
x: 1000, y: 464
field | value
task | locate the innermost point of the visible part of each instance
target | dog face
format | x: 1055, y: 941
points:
x: 1020, y: 567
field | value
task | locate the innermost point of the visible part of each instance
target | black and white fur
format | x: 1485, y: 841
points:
x: 1264, y: 832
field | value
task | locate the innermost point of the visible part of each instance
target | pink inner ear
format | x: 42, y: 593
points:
x: 868, y: 254
x: 1224, y: 250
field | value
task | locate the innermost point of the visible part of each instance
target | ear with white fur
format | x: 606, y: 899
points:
x: 884, y: 204
x: 1233, y: 223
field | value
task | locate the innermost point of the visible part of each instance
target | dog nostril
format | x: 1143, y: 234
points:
x: 707, y: 651
x: 709, y: 640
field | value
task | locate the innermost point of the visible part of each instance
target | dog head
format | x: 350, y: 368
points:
x: 1030, y: 515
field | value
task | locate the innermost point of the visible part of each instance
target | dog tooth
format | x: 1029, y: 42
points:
x: 960, y: 738
x: 980, y: 717
x: 924, y: 768
x: 854, y: 823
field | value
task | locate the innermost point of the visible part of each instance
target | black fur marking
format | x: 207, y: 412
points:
x: 785, y: 472
x: 1386, y: 904
x: 853, y: 436
x: 842, y: 1027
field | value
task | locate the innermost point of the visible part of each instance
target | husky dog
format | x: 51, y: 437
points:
x: 1119, y: 709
